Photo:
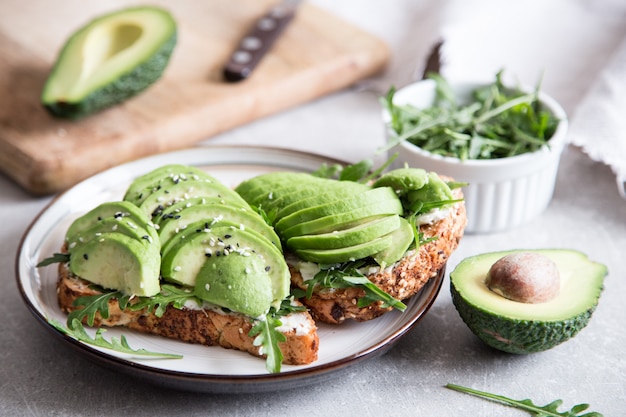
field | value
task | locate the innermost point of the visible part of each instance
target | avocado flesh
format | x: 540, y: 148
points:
x: 517, y: 327
x: 327, y: 195
x: 112, y: 225
x: 183, y: 262
x: 208, y: 215
x: 116, y: 261
x: 158, y: 201
x: 345, y: 254
x: 401, y: 239
x: 168, y: 175
x: 109, y: 60
x: 336, y: 207
x: 120, y: 210
x: 263, y: 185
x: 347, y: 237
x: 342, y: 220
x: 200, y: 226
x: 239, y: 283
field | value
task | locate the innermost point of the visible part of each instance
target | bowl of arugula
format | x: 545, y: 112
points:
x: 505, y: 142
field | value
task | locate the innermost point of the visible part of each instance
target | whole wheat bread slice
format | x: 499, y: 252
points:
x: 210, y: 327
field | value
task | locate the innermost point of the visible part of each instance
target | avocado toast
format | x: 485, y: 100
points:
x: 230, y: 272
x: 185, y: 257
x: 356, y: 250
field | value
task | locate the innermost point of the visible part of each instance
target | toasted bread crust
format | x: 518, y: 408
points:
x: 202, y: 326
x: 401, y: 280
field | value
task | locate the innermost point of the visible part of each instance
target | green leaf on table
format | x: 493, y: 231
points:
x: 548, y: 410
x: 78, y: 332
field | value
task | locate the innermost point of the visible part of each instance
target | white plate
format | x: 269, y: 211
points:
x: 207, y: 369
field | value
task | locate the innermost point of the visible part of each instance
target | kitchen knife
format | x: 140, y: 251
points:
x: 255, y: 44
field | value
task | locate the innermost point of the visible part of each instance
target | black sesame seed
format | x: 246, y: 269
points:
x: 267, y: 268
x: 85, y: 256
x: 145, y: 237
x: 208, y: 255
x: 227, y: 236
x: 99, y: 218
x: 177, y: 216
x: 218, y: 253
x: 206, y: 225
x: 140, y: 196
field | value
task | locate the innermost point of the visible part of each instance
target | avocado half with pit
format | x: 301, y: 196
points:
x: 500, y: 297
x: 109, y: 60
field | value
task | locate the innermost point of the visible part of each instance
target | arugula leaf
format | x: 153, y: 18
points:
x: 78, y: 332
x: 93, y: 304
x: 327, y: 171
x: 266, y: 336
x: 346, y: 275
x: 169, y: 295
x: 57, y: 258
x: 357, y: 172
x: 499, y: 122
x: 548, y: 410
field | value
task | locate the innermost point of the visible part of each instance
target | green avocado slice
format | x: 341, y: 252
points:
x: 358, y: 234
x: 118, y: 262
x: 237, y: 282
x: 518, y: 327
x: 401, y: 239
x: 345, y: 254
x: 208, y: 215
x: 108, y: 60
x: 204, y: 226
x: 166, y: 196
x: 113, y: 225
x: 344, y: 220
x: 164, y: 176
x: 184, y: 261
x: 336, y: 207
x: 263, y: 185
x: 122, y: 211
x: 304, y: 196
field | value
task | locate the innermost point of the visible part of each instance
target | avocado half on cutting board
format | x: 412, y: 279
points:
x: 109, y: 60
x: 526, y: 301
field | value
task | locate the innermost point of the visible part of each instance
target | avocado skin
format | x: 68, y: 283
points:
x: 137, y: 79
x: 517, y: 336
x: 128, y: 85
x: 523, y: 335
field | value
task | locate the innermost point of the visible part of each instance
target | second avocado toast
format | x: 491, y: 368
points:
x: 208, y: 266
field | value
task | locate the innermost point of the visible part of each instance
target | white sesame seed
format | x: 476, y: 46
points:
x: 177, y: 268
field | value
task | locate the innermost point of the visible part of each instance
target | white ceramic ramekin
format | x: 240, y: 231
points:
x: 502, y: 193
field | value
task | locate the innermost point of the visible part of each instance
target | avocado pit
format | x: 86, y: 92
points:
x: 525, y: 277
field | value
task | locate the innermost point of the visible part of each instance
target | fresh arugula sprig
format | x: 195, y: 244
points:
x: 95, y: 304
x: 347, y: 275
x: 499, y: 122
x: 169, y: 295
x: 358, y: 172
x: 99, y: 303
x: 76, y: 330
x: 267, y: 336
x: 57, y: 258
x: 548, y: 410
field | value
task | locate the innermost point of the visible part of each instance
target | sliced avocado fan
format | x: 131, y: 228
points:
x: 109, y: 60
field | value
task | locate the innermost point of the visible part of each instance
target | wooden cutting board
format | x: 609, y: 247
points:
x: 317, y: 54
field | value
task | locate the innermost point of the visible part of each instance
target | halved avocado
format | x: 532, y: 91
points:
x: 109, y: 60
x: 520, y: 327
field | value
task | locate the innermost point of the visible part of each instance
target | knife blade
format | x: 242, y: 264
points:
x: 259, y: 39
x: 433, y: 62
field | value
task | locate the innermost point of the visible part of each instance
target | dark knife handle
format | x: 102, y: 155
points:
x: 257, y: 42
